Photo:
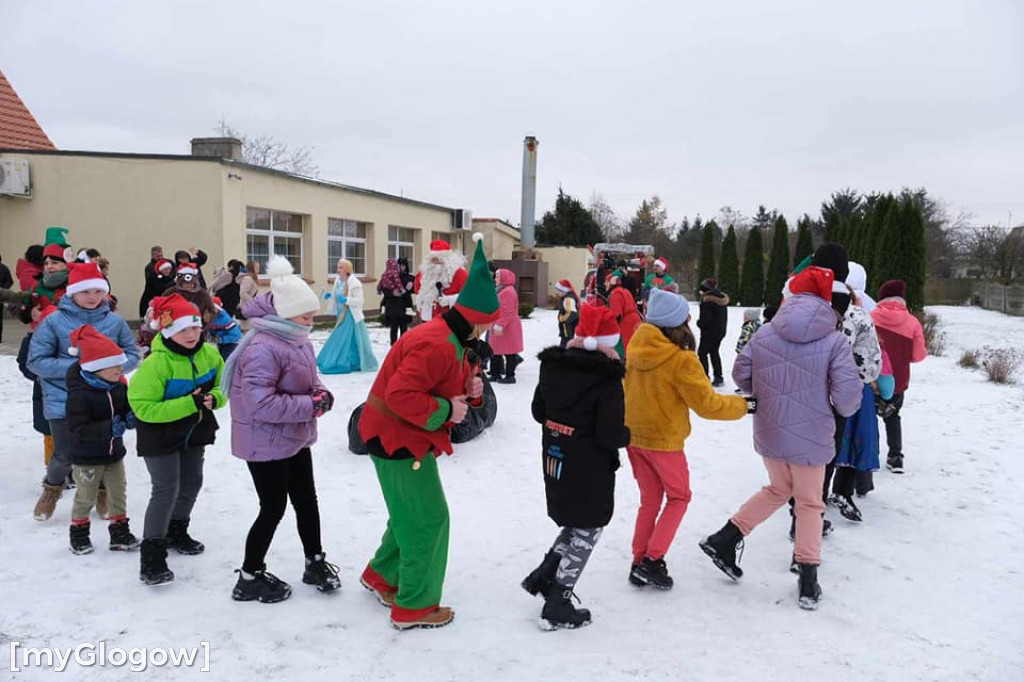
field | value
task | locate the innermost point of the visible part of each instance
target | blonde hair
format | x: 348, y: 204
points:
x: 347, y: 263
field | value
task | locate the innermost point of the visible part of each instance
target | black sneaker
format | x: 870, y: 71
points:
x: 180, y: 541
x: 153, y: 561
x: 894, y: 463
x: 121, y: 538
x: 321, y: 573
x: 266, y: 588
x: 718, y: 381
x: 633, y: 579
x: 652, y: 572
x: 810, y: 591
x: 558, y: 611
x: 723, y: 547
x: 80, y: 543
x: 846, y: 507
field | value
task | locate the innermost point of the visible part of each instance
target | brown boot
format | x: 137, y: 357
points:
x: 437, y: 618
x: 386, y: 596
x: 101, y: 504
x: 47, y: 502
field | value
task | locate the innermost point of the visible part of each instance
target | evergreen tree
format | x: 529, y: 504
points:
x: 778, y: 263
x: 887, y: 255
x: 570, y: 224
x: 915, y: 258
x: 729, y: 266
x: 752, y: 280
x: 874, y: 221
x: 804, y: 242
x: 706, y: 264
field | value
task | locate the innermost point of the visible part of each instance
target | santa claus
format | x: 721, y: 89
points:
x: 439, y: 280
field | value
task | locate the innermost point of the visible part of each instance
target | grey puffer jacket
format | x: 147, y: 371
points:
x: 799, y: 368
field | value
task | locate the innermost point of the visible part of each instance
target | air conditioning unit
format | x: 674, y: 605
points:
x: 14, y: 178
x: 462, y: 219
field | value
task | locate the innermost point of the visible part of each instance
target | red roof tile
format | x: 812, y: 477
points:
x: 18, y: 128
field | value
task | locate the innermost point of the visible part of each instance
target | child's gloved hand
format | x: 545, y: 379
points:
x: 323, y: 401
x: 751, y: 405
x: 130, y: 420
x: 202, y: 399
x: 118, y: 426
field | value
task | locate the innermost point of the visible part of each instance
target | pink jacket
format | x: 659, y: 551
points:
x: 902, y: 337
x: 507, y: 336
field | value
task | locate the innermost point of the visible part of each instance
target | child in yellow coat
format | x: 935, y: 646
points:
x: 664, y: 381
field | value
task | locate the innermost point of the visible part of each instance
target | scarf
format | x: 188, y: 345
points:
x: 56, y: 280
x: 391, y: 280
x: 275, y: 326
x: 96, y: 382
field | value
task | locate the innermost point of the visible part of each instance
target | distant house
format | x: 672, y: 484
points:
x: 18, y: 127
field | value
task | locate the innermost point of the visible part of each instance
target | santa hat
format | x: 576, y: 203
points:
x: 662, y: 263
x: 163, y: 264
x: 478, y: 300
x: 173, y: 314
x: 219, y: 304
x: 94, y: 350
x: 187, y: 269
x: 813, y: 280
x: 292, y: 296
x: 597, y: 326
x: 56, y: 244
x: 85, y: 276
x: 564, y: 286
x: 441, y: 245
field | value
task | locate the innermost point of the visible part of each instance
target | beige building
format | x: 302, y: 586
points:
x: 565, y: 262
x: 122, y: 204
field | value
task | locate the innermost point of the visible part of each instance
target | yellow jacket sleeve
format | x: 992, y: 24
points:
x: 696, y: 391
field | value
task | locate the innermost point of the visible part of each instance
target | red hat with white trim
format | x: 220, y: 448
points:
x: 94, y: 350
x: 564, y: 286
x: 187, y: 269
x: 85, y: 276
x: 440, y: 245
x: 173, y: 314
x: 163, y: 264
x: 662, y: 263
x: 813, y: 280
x: 597, y: 326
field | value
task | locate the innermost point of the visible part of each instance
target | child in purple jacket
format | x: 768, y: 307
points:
x: 799, y: 368
x: 272, y: 379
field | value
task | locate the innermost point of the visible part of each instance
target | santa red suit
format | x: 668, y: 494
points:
x: 441, y: 276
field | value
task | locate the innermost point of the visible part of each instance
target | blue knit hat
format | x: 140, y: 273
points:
x: 665, y: 309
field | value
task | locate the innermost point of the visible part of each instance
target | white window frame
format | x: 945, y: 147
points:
x: 271, y: 234
x: 332, y: 268
x: 397, y: 244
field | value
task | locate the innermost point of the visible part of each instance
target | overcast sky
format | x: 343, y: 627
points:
x: 706, y: 104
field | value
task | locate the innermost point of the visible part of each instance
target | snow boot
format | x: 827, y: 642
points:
x: 633, y: 580
x: 437, y: 618
x: 794, y: 567
x: 810, y: 591
x: 718, y: 381
x: 153, y: 562
x: 652, y: 572
x: 47, y: 502
x: 846, y: 507
x: 321, y: 573
x: 541, y: 577
x: 266, y: 588
x: 385, y: 596
x: 102, y: 506
x: 558, y: 611
x: 180, y: 541
x: 722, y: 548
x: 80, y: 543
x: 121, y: 538
x: 894, y: 463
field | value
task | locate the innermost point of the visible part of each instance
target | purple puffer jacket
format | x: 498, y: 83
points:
x: 798, y: 367
x: 271, y: 408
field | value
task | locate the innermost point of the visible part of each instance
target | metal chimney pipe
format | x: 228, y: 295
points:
x: 529, y: 201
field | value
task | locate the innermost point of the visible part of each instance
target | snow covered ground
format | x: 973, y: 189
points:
x: 927, y: 588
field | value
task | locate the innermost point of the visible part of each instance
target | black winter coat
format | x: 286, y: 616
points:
x: 581, y: 406
x: 90, y: 413
x: 714, y: 316
x: 39, y: 422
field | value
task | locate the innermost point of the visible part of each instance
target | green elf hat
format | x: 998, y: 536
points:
x: 478, y: 300
x: 56, y: 243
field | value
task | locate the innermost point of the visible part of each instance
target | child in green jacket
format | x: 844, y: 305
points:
x: 173, y: 395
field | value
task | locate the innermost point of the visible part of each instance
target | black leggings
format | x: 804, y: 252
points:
x: 397, y: 329
x: 276, y: 482
x: 709, y: 346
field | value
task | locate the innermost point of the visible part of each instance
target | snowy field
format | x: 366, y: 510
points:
x: 929, y: 587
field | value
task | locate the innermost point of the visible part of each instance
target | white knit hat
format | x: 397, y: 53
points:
x: 292, y: 296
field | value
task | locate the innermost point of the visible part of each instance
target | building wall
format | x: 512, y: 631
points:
x: 121, y: 207
x: 568, y: 262
x: 500, y: 238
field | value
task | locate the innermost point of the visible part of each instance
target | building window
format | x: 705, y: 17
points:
x: 346, y: 239
x: 401, y: 241
x: 268, y: 231
x: 443, y: 236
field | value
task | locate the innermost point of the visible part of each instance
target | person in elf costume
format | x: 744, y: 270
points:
x: 425, y: 386
x: 54, y: 279
x: 440, y: 279
x: 659, y: 279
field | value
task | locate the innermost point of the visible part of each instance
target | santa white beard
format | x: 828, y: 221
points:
x: 437, y: 267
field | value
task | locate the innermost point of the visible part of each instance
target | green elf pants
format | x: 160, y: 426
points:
x: 413, y: 554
